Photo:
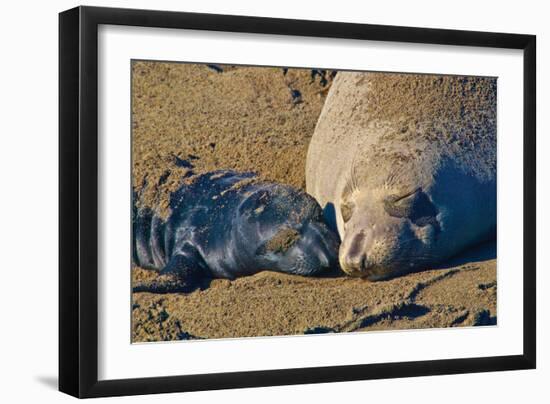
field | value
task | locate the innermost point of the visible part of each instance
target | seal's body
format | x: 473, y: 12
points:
x: 226, y: 224
x: 405, y: 168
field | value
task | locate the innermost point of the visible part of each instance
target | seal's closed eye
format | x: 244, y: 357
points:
x: 285, y: 238
x: 347, y: 210
x: 415, y: 206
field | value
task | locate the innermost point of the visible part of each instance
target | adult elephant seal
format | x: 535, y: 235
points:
x: 405, y: 168
x: 226, y: 224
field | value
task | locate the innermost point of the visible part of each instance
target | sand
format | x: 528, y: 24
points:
x: 261, y: 120
x: 244, y: 119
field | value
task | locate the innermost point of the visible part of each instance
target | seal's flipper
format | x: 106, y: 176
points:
x: 182, y: 274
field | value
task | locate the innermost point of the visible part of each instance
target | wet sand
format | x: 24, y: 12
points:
x: 261, y: 120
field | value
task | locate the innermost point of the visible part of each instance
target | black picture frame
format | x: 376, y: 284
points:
x: 78, y: 201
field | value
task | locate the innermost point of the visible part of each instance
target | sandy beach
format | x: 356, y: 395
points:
x: 261, y: 120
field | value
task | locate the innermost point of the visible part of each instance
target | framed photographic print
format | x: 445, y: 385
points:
x: 251, y: 201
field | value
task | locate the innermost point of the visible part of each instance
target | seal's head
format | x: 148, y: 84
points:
x: 388, y: 232
x: 406, y: 167
x: 281, y: 228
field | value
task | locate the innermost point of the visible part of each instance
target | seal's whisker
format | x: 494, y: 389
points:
x: 353, y: 174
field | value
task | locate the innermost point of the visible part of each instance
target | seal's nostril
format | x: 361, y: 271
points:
x: 356, y: 261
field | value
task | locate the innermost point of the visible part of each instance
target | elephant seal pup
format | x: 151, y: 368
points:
x: 405, y: 168
x: 226, y: 224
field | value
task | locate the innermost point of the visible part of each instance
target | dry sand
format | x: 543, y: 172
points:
x: 247, y: 119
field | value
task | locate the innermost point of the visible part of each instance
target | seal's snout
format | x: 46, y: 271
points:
x: 353, y: 259
x: 315, y: 252
x: 320, y: 242
x: 354, y: 265
x: 367, y: 254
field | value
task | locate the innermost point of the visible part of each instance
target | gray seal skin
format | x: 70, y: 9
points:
x: 226, y: 224
x: 404, y: 167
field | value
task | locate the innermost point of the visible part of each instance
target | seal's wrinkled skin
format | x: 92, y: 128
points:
x: 405, y: 168
x: 226, y: 224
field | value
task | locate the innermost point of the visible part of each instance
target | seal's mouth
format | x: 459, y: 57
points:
x: 367, y: 255
x: 372, y: 272
x: 380, y: 261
